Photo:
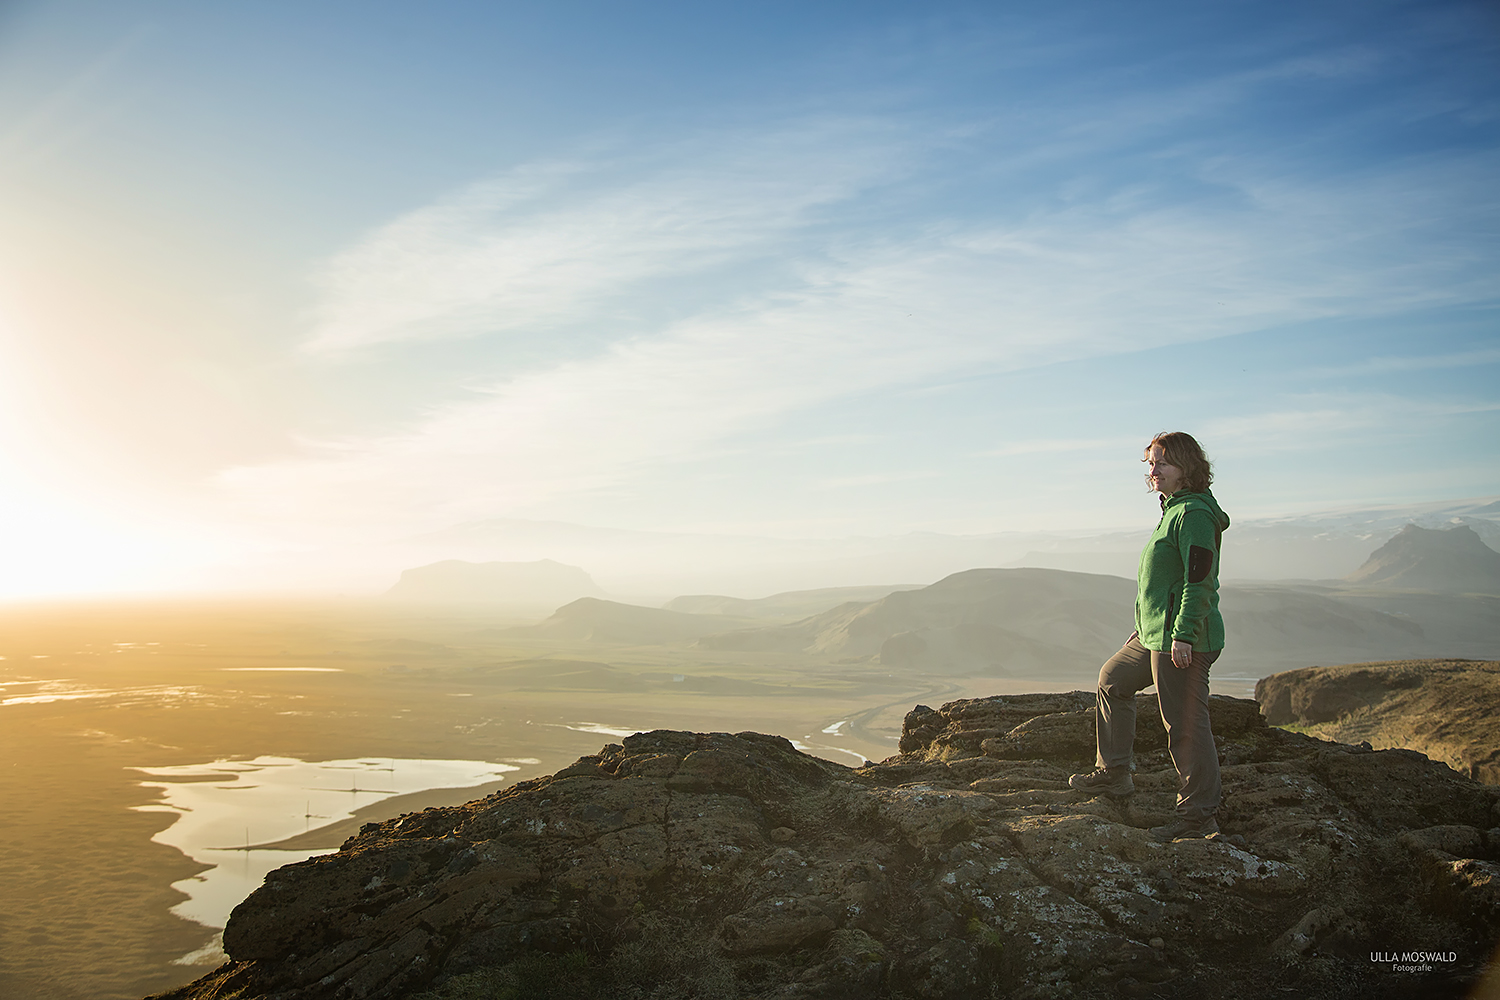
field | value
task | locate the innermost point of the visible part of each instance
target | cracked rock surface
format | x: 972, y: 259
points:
x: 717, y: 865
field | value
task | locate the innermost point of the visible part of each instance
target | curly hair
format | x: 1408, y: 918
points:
x: 1183, y: 450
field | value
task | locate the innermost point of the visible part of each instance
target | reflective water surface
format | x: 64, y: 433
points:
x: 226, y: 809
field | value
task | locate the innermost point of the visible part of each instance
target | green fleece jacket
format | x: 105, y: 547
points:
x: 1177, y: 586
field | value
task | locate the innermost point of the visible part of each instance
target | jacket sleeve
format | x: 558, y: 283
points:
x: 1198, y: 543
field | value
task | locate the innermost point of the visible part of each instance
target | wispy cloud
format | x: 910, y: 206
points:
x: 1312, y: 422
x: 557, y: 243
x: 1408, y: 363
x: 1295, y: 429
x: 90, y: 98
x: 820, y: 302
x: 872, y: 479
x: 1053, y: 446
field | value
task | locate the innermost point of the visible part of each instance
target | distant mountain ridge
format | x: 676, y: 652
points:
x: 1033, y: 621
x: 994, y: 621
x: 791, y: 604
x: 1038, y: 622
x: 651, y: 566
x: 1456, y: 560
x: 592, y: 620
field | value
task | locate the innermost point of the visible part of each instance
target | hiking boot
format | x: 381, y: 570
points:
x: 1182, y: 828
x: 1109, y: 780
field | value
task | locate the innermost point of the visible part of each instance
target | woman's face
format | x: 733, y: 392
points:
x: 1161, y: 476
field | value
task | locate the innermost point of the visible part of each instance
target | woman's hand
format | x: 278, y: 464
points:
x: 1182, y: 654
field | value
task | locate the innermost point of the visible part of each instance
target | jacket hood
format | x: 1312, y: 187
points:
x: 1198, y: 501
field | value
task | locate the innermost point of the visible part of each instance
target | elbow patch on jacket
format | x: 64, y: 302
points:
x: 1200, y: 563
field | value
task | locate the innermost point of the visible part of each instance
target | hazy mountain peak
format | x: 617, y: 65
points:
x: 1455, y: 559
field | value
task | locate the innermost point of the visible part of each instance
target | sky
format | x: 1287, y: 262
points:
x: 280, y: 279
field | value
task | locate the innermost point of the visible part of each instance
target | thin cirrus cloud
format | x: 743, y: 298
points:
x: 549, y: 244
x: 1409, y: 363
x: 1055, y: 446
x: 843, y: 312
x: 1308, y: 421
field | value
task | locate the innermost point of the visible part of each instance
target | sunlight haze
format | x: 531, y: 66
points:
x: 283, y: 287
x: 435, y: 428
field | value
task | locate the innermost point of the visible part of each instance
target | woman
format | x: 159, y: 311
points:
x: 1178, y: 635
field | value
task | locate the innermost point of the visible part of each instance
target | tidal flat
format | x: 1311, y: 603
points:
x: 94, y: 693
x: 99, y: 704
x: 273, y: 799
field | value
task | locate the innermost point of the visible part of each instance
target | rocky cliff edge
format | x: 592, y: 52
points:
x: 1444, y: 708
x: 717, y: 865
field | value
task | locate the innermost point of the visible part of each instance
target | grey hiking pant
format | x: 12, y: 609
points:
x: 1183, y: 696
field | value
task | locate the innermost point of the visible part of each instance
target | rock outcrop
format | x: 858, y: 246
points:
x: 716, y: 865
x: 1444, y: 708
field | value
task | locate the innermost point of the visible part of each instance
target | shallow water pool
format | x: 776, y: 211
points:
x: 227, y: 808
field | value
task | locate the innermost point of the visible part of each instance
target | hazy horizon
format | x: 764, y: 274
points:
x: 652, y: 568
x: 702, y: 299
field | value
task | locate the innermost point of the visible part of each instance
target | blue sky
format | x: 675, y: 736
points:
x: 281, y: 275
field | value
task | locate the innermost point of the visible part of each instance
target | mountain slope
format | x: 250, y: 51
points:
x: 591, y: 620
x: 1276, y: 627
x: 1455, y: 560
x: 1040, y: 622
x: 979, y: 621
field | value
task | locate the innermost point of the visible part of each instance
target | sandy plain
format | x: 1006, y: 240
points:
x: 92, y: 691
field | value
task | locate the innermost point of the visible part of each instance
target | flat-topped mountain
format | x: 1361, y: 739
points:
x: 1454, y: 560
x: 543, y: 583
x: 1444, y: 708
x: 715, y: 865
